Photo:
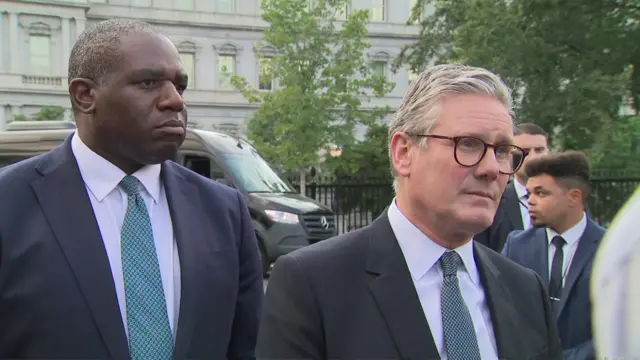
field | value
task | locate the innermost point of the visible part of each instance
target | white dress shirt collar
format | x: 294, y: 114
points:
x: 521, y: 190
x: 572, y: 235
x: 102, y: 177
x: 420, y: 252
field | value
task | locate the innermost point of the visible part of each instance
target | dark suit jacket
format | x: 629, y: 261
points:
x: 57, y: 294
x: 352, y: 297
x: 507, y: 219
x: 530, y: 248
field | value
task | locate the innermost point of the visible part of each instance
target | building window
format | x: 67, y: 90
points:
x: 342, y: 12
x: 226, y: 69
x: 141, y: 3
x: 265, y: 73
x: 189, y: 64
x: 225, y: 6
x: 380, y: 68
x: 40, y: 54
x: 378, y: 10
x: 184, y: 4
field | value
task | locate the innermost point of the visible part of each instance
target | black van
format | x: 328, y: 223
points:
x: 283, y: 219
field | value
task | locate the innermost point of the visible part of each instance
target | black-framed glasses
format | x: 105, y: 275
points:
x: 468, y: 151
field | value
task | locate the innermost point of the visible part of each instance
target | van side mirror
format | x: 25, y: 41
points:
x: 225, y: 181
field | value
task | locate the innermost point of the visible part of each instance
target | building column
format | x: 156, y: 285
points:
x: 4, y: 116
x: 66, y: 45
x: 80, y: 24
x: 14, y: 45
x: 3, y: 67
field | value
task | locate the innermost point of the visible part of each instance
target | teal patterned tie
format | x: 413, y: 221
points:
x: 150, y: 335
x: 459, y: 333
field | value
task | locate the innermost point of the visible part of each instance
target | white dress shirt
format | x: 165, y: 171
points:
x: 109, y: 203
x: 615, y: 286
x: 422, y: 255
x: 521, y: 191
x: 572, y: 238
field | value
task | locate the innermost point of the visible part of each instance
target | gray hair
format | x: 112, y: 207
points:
x: 420, y: 106
x: 96, y: 51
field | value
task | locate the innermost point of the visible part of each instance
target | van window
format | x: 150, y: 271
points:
x: 203, y: 166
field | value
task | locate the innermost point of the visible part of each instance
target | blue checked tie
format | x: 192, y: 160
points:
x: 459, y: 333
x: 150, y: 335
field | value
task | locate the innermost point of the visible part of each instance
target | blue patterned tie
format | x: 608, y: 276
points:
x: 459, y: 333
x: 150, y: 335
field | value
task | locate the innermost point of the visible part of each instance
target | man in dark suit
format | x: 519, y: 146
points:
x: 413, y: 284
x: 107, y: 249
x: 512, y: 213
x: 562, y: 244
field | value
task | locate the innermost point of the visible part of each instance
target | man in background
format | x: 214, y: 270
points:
x: 561, y: 244
x: 513, y: 213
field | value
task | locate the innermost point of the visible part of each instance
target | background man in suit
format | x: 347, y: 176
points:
x: 561, y: 245
x: 413, y: 284
x: 108, y: 250
x: 513, y: 213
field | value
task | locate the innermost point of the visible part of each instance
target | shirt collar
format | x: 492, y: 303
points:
x: 420, y: 252
x: 572, y: 235
x: 521, y: 190
x: 102, y: 177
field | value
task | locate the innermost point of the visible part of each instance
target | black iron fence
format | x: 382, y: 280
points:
x: 358, y: 201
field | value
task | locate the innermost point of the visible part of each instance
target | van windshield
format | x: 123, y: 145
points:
x: 254, y: 174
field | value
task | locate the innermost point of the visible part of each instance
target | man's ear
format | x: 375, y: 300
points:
x: 83, y: 95
x: 575, y: 197
x: 401, y: 156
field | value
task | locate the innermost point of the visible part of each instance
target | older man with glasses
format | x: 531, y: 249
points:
x: 413, y: 284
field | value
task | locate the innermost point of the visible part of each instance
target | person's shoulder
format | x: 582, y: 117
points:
x: 20, y: 173
x: 522, y: 236
x: 333, y: 254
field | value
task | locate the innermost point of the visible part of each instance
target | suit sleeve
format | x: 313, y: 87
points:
x: 580, y: 352
x: 291, y: 326
x: 554, y: 346
x: 250, y: 292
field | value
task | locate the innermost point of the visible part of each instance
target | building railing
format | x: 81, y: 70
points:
x: 358, y: 201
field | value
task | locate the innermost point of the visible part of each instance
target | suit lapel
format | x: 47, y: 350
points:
x: 394, y: 293
x: 513, y: 207
x: 587, y: 247
x: 540, y: 255
x: 63, y: 197
x: 503, y: 315
x: 186, y: 209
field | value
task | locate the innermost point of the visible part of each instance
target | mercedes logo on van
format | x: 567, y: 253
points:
x: 324, y: 222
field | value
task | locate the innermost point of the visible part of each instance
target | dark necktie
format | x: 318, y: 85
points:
x: 555, y: 281
x: 459, y: 334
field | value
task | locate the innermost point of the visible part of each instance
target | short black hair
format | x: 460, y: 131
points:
x: 570, y: 169
x: 530, y: 129
x: 96, y: 51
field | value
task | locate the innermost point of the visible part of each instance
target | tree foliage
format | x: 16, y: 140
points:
x: 324, y: 81
x: 45, y: 113
x: 367, y: 158
x: 570, y: 62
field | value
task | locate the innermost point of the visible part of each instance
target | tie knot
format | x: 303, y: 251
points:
x: 526, y: 196
x: 558, y: 241
x: 450, y: 261
x: 130, y: 185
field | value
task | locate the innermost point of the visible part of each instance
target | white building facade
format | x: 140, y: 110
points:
x: 216, y: 39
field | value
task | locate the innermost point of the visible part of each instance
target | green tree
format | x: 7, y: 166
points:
x: 569, y: 62
x: 45, y: 113
x: 323, y: 81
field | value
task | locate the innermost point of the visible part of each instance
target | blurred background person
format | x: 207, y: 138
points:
x: 615, y: 289
x: 513, y: 212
